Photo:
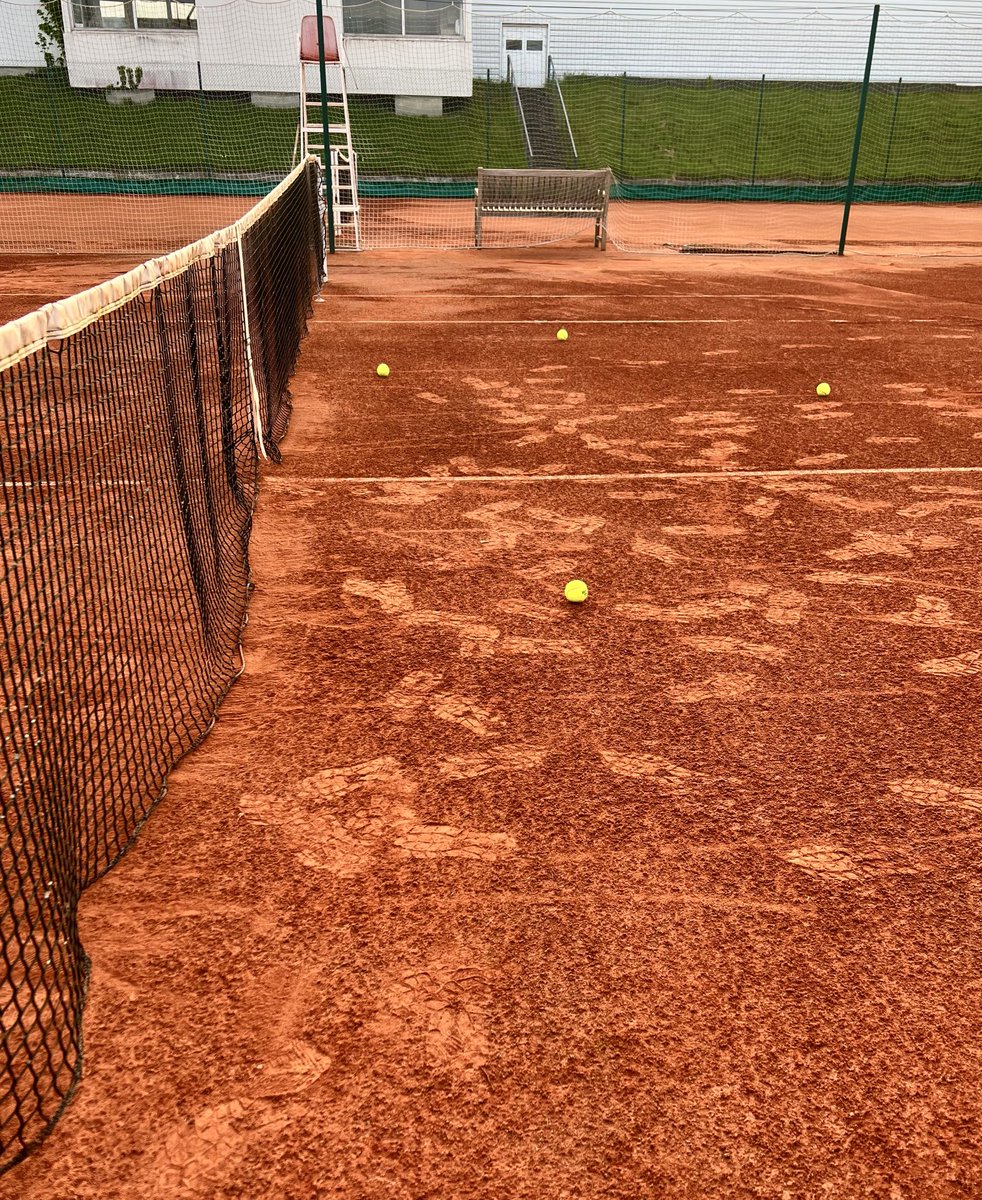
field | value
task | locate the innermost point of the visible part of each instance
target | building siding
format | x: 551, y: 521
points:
x: 942, y: 44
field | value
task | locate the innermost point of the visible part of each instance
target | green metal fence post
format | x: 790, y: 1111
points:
x: 623, y: 117
x: 329, y: 189
x: 204, y: 123
x: 487, y: 120
x: 760, y: 113
x: 893, y: 126
x: 52, y: 82
x: 851, y: 184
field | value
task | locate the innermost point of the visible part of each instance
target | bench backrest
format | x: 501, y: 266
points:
x: 581, y: 190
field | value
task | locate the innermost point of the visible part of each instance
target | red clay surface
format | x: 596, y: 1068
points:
x: 664, y: 225
x: 134, y: 225
x: 472, y: 893
x: 147, y: 226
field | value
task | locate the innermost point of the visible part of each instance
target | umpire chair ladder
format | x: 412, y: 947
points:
x: 335, y: 150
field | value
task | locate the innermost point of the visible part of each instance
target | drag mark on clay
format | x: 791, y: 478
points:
x: 483, y: 641
x: 850, y: 578
x: 929, y: 612
x: 490, y: 762
x: 934, y: 793
x: 731, y: 645
x: 417, y: 691
x: 762, y: 509
x: 717, y: 423
x: 524, y: 608
x: 867, y: 543
x: 819, y: 410
x: 724, y: 687
x: 658, y: 550
x: 391, y: 595
x: 409, y: 495
x: 969, y: 663
x: 706, y: 531
x: 312, y: 819
x: 929, y: 508
x: 833, y: 500
x: 719, y: 454
x: 684, y: 614
x: 651, y: 767
x: 820, y: 460
x: 846, y: 866
x: 785, y: 607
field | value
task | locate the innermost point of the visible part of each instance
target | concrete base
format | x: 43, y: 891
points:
x: 125, y: 96
x: 419, y: 106
x: 275, y: 99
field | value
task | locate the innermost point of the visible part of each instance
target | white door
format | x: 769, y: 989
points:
x: 525, y: 45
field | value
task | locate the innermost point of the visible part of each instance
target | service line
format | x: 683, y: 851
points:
x: 624, y: 476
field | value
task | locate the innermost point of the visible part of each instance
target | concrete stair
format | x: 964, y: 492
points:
x: 551, y: 149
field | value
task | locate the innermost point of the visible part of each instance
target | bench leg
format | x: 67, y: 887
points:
x: 477, y: 228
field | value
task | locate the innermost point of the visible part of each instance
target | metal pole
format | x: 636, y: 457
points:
x: 204, y: 123
x: 760, y: 113
x: 329, y: 189
x: 487, y: 120
x: 52, y: 82
x: 893, y: 126
x: 850, y: 186
x: 623, y: 117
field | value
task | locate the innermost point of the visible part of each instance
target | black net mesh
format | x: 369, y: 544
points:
x: 129, y: 469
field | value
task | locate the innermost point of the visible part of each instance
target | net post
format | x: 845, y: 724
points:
x: 893, y: 126
x: 760, y: 114
x: 329, y: 189
x: 257, y: 411
x: 857, y: 141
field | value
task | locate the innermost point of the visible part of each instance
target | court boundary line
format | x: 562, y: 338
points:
x: 750, y: 320
x: 629, y: 476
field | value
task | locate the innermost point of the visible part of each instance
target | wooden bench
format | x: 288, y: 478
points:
x: 574, y: 194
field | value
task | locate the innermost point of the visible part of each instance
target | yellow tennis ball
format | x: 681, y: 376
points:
x: 382, y: 370
x: 823, y: 389
x: 576, y: 591
x: 562, y: 335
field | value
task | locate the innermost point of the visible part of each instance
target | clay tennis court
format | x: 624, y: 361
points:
x: 474, y: 893
x: 140, y: 226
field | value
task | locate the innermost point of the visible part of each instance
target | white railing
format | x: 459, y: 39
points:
x: 521, y: 110
x: 559, y: 91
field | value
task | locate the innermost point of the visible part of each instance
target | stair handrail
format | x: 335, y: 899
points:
x: 521, y: 109
x: 551, y: 73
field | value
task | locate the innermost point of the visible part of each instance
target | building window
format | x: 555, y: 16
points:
x: 404, y: 18
x: 134, y: 14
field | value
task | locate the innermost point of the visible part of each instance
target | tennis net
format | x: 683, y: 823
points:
x: 134, y: 419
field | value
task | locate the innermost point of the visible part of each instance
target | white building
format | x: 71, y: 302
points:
x: 435, y: 48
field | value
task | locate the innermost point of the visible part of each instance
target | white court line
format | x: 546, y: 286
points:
x: 626, y: 298
x: 752, y: 320
x: 626, y: 476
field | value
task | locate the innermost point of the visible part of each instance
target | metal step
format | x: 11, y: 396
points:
x: 325, y: 131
